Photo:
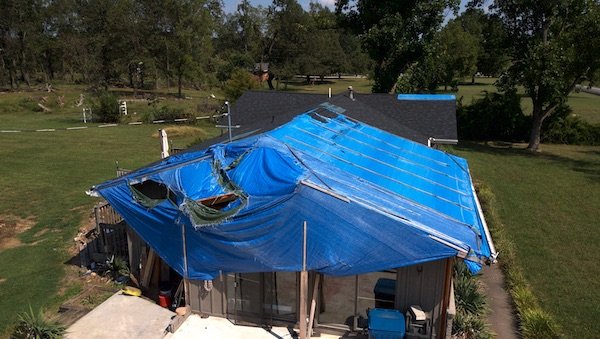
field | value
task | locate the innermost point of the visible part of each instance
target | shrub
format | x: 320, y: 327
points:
x: 562, y: 127
x: 106, y: 108
x: 239, y: 82
x: 493, y: 117
x: 469, y: 321
x: 165, y: 113
x: 32, y: 325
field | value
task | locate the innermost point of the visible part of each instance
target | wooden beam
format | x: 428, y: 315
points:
x: 147, y: 269
x: 313, y: 305
x: 303, y: 297
x: 446, y: 298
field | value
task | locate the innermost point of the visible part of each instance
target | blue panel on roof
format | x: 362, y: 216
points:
x: 372, y: 201
x: 434, y: 97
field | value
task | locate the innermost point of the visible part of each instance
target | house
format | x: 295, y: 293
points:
x: 375, y: 219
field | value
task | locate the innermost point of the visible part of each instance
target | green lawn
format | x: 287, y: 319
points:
x: 44, y: 177
x: 549, y: 205
x: 584, y: 105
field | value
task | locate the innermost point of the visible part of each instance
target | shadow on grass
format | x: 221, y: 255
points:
x: 590, y: 167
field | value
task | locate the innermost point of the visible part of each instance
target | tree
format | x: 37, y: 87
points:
x: 394, y: 33
x: 457, y: 53
x: 492, y: 42
x: 181, y: 30
x: 554, y: 46
x: 288, y: 28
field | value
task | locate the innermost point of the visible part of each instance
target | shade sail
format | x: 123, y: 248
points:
x: 371, y: 201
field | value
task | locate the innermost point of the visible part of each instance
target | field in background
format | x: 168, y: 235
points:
x: 44, y: 179
x: 548, y: 204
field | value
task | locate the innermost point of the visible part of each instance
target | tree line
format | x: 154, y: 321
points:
x: 143, y: 42
x: 542, y: 47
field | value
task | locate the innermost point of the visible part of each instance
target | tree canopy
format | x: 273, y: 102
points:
x: 554, y: 45
x: 394, y: 33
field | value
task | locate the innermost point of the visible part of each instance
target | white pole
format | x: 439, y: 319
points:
x: 330, y: 92
x: 84, y: 117
x: 164, y: 143
x: 228, y: 120
x: 303, y: 289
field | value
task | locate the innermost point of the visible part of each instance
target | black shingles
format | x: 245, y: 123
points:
x: 260, y: 111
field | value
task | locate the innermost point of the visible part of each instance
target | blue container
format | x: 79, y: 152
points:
x: 386, y: 324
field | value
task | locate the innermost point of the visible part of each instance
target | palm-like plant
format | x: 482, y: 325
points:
x: 34, y: 326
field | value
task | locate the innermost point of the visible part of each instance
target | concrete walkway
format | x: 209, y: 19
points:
x: 122, y: 316
x: 501, y: 317
x: 214, y: 327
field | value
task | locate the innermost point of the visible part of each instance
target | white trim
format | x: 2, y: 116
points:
x: 488, y: 236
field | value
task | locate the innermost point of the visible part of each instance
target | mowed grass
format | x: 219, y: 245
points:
x: 44, y: 176
x: 549, y: 204
x: 584, y: 105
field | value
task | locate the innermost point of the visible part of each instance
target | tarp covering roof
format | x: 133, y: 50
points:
x: 371, y: 201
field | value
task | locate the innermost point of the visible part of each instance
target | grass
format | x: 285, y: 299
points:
x: 548, y: 204
x: 359, y: 84
x: 584, y: 105
x: 44, y: 176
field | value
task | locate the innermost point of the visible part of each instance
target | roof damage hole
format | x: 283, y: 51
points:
x: 317, y: 117
x: 219, y: 202
x: 152, y: 189
x: 150, y: 193
x: 326, y: 113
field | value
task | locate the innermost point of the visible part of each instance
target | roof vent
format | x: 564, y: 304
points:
x: 351, y: 93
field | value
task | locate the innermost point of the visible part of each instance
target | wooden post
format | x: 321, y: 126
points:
x: 313, y: 305
x: 147, y: 269
x: 303, y: 289
x: 446, y: 298
x: 303, y: 295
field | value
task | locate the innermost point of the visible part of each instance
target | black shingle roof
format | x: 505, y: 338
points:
x: 260, y: 111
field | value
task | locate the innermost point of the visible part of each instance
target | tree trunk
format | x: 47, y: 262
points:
x: 536, y: 130
x: 179, y: 81
x: 445, y: 87
x: 539, y: 115
x: 473, y: 79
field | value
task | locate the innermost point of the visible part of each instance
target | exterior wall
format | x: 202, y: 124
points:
x: 423, y: 285
x: 213, y: 302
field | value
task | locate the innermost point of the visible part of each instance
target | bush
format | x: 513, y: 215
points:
x: 493, y: 117
x: 165, y: 113
x: 239, y: 82
x: 562, y: 127
x: 106, y: 108
x: 32, y: 325
x: 470, y: 305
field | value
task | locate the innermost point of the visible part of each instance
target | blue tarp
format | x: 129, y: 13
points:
x: 371, y: 201
x: 430, y: 97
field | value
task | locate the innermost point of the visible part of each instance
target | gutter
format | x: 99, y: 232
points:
x: 488, y: 236
x: 431, y: 141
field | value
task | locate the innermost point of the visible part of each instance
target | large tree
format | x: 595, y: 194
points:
x: 492, y: 42
x: 456, y: 53
x: 555, y: 44
x: 394, y: 33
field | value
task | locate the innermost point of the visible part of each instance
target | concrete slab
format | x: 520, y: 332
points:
x: 122, y: 316
x: 214, y: 327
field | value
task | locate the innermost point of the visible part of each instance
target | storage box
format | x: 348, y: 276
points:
x: 386, y: 324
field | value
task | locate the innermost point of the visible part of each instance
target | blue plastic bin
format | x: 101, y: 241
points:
x: 386, y: 324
